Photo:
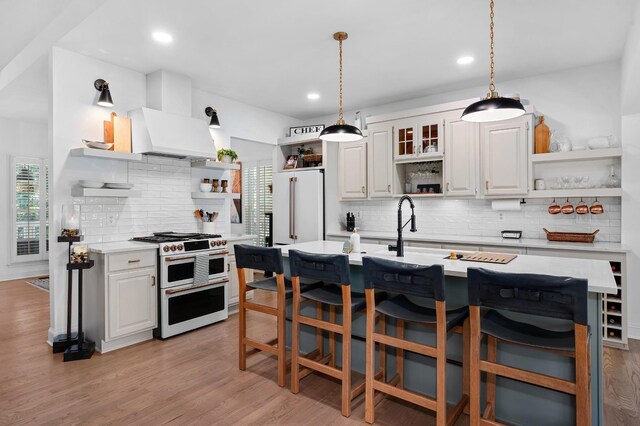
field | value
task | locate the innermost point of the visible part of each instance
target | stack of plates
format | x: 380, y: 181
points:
x: 118, y: 185
x: 91, y: 184
x: 97, y: 145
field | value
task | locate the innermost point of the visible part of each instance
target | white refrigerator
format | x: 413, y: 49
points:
x: 298, y: 207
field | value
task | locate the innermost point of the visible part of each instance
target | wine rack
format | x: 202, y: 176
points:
x: 614, y: 323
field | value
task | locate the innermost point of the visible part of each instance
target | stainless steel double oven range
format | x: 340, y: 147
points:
x: 193, y: 277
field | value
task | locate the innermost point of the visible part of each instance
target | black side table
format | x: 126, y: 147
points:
x: 75, y: 346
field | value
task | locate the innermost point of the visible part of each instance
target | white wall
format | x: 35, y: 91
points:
x: 166, y: 184
x: 630, y: 88
x: 26, y: 139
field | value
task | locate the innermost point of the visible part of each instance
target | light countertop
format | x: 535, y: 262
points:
x: 240, y: 237
x: 492, y: 241
x: 120, y: 246
x: 597, y: 272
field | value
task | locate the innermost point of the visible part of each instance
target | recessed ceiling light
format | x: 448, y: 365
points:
x: 162, y: 37
x: 313, y: 96
x: 465, y: 60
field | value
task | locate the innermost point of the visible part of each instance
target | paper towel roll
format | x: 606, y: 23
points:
x: 506, y: 205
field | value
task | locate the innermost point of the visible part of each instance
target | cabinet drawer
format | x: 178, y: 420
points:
x: 132, y: 260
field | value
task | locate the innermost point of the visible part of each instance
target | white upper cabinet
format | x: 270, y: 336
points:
x: 418, y: 138
x: 353, y: 170
x: 505, y: 156
x: 460, y: 158
x: 380, y: 155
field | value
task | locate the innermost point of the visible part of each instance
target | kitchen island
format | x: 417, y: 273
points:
x: 517, y: 403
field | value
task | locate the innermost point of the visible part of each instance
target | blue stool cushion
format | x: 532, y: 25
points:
x: 269, y: 284
x: 331, y: 294
x: 497, y: 325
x: 400, y: 307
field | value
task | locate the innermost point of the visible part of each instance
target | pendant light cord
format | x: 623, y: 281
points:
x: 492, y: 87
x: 340, y: 114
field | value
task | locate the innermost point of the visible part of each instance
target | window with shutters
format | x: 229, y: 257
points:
x: 256, y: 198
x: 30, y: 209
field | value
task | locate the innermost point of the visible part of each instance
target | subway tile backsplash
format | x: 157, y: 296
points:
x: 165, y: 205
x: 477, y: 219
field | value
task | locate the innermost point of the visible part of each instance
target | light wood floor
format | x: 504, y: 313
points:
x: 194, y: 379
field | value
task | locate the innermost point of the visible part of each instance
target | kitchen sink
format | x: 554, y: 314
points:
x: 412, y: 251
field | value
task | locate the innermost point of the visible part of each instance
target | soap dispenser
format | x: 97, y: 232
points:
x: 355, y: 241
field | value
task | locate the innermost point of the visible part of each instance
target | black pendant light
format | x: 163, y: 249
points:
x: 493, y: 107
x: 214, y: 123
x: 105, y: 95
x: 341, y: 132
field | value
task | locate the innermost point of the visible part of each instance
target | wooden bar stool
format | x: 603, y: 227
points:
x: 265, y: 259
x: 542, y: 295
x: 335, y: 292
x: 403, y: 279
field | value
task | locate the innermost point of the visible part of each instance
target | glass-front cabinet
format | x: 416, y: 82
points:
x: 419, y: 137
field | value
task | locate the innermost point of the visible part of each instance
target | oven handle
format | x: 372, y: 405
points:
x: 195, y: 286
x: 173, y: 259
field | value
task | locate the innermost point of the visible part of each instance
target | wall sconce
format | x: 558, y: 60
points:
x: 214, y: 123
x: 105, y: 96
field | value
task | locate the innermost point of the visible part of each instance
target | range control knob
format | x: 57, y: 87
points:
x: 224, y: 242
x: 213, y: 243
x: 165, y: 249
x: 216, y: 243
x: 180, y: 247
x: 173, y: 247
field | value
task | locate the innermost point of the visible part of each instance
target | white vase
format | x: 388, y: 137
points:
x: 208, y: 227
x: 226, y: 159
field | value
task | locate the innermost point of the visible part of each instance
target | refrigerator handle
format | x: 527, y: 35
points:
x: 292, y: 203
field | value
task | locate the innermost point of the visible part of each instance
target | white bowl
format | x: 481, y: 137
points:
x: 91, y: 184
x: 205, y: 187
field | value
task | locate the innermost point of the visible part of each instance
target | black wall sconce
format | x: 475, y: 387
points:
x: 105, y: 96
x: 214, y: 123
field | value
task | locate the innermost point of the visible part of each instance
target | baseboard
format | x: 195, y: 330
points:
x: 23, y: 275
x: 633, y: 331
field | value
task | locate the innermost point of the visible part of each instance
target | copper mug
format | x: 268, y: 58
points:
x: 596, y: 207
x: 582, y: 208
x: 554, y: 208
x: 567, y: 208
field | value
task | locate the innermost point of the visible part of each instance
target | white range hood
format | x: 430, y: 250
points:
x: 166, y: 126
x: 162, y: 133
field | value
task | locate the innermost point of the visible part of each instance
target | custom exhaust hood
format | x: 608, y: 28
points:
x: 165, y: 127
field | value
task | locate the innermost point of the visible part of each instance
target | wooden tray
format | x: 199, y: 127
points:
x: 486, y: 257
x: 573, y: 237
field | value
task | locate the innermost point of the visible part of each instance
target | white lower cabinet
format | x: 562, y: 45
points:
x: 234, y: 283
x: 121, y: 299
x: 133, y: 302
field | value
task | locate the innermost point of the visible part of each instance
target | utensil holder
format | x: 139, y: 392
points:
x: 208, y: 227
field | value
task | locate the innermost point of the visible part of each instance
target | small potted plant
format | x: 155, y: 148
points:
x: 227, y: 155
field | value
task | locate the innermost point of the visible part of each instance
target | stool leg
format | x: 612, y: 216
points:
x: 583, y: 388
x: 295, y: 335
x: 441, y: 364
x: 319, y: 335
x: 282, y: 349
x: 490, y: 407
x: 474, y: 363
x: 346, y: 350
x: 332, y: 337
x: 242, y: 319
x: 465, y: 361
x: 382, y: 351
x: 400, y: 354
x: 370, y: 357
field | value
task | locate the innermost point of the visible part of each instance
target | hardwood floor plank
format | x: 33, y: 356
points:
x: 193, y: 379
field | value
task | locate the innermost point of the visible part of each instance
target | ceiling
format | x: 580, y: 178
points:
x: 272, y: 53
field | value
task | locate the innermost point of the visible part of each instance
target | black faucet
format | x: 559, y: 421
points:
x: 400, y: 243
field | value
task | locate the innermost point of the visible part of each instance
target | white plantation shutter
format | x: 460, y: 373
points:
x: 30, y: 205
x: 256, y: 198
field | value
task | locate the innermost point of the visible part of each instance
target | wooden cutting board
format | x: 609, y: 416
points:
x: 486, y: 257
x: 541, y: 137
x: 118, y: 132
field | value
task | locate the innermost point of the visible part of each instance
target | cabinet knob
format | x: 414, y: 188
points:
x: 447, y: 186
x: 388, y: 188
x: 134, y: 261
x: 153, y: 280
x: 486, y: 185
x: 363, y: 189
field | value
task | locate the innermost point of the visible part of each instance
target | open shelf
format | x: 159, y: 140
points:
x: 585, y: 155
x: 105, y: 154
x: 214, y: 165
x: 215, y: 195
x: 105, y: 192
x: 576, y: 193
x: 435, y: 156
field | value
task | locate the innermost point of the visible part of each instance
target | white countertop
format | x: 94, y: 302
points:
x: 597, y: 272
x: 492, y: 241
x: 121, y: 246
x: 240, y: 237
